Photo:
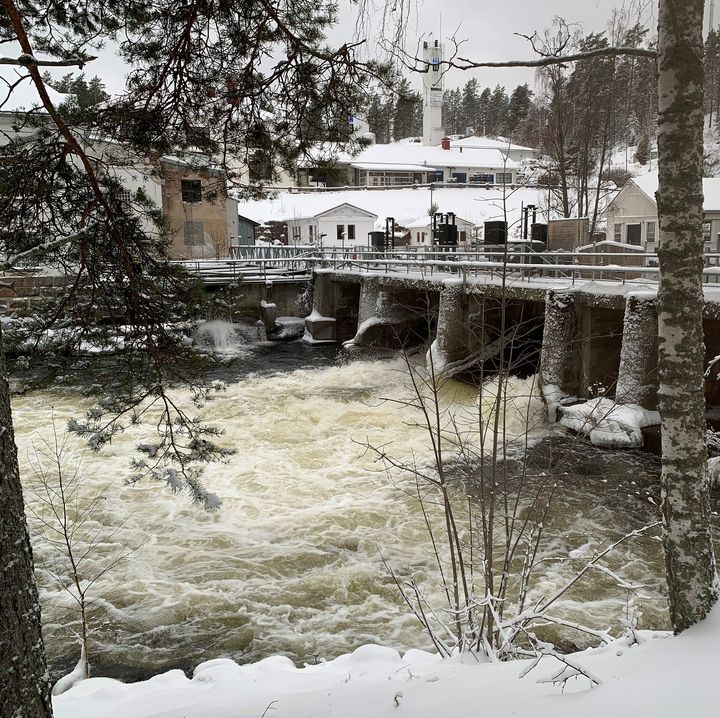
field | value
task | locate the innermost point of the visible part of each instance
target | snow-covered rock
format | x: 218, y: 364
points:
x: 607, y: 424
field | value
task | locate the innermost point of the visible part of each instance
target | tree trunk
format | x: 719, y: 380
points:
x: 689, y: 557
x: 24, y: 686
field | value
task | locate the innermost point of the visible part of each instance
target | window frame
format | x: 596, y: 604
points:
x: 191, y: 191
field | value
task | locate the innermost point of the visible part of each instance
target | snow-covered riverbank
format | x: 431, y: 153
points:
x: 665, y: 676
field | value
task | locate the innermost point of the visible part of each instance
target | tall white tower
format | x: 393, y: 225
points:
x: 711, y: 19
x: 433, y: 85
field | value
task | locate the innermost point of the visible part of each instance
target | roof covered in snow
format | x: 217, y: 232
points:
x: 411, y: 153
x: 610, y: 243
x: 359, y: 210
x: 495, y: 143
x: 476, y: 205
x: 24, y: 96
x: 648, y: 184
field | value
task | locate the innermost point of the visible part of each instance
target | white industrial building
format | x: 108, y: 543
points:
x: 407, y: 163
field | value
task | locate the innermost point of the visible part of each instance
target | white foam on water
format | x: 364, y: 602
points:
x: 229, y: 339
x: 291, y: 563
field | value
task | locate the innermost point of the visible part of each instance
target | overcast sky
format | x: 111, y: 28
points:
x: 486, y: 26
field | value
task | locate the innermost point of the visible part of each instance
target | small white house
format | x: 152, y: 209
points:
x: 344, y: 225
x: 632, y: 216
x: 421, y: 231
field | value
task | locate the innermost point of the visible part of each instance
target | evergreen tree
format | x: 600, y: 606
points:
x: 470, y: 106
x: 405, y: 111
x: 86, y: 94
x: 379, y: 118
x: 60, y: 206
x: 632, y: 131
x: 518, y: 108
x: 483, y: 124
x: 452, y: 111
x: 497, y: 113
x: 642, y: 153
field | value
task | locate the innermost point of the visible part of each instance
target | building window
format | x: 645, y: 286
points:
x: 124, y: 196
x: 191, y: 190
x: 351, y: 231
x: 194, y: 234
x: 483, y: 178
x: 707, y: 236
x: 260, y: 166
x: 296, y: 234
x: 503, y: 177
x: 311, y: 231
x: 617, y: 232
x: 341, y: 231
x: 650, y: 238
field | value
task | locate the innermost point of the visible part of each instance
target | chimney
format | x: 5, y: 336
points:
x: 445, y: 142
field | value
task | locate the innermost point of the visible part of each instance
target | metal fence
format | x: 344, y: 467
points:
x: 290, y: 263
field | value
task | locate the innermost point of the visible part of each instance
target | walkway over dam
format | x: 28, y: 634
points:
x: 589, y: 329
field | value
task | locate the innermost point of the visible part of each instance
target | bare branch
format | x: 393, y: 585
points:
x: 26, y: 60
x: 463, y: 63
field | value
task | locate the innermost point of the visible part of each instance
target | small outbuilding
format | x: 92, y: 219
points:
x: 632, y: 216
x: 344, y: 225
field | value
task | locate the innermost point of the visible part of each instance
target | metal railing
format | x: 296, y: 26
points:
x: 291, y: 263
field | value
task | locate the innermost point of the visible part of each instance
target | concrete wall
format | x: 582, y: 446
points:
x: 246, y: 300
x: 600, y: 340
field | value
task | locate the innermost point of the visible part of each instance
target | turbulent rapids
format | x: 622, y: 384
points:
x: 293, y: 561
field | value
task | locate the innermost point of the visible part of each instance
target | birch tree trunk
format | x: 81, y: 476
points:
x: 24, y: 686
x: 689, y: 557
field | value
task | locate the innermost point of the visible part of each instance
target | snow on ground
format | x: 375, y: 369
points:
x: 662, y: 677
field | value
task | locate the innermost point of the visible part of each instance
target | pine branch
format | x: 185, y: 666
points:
x: 41, y: 249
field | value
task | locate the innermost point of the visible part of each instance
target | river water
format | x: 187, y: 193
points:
x: 292, y: 561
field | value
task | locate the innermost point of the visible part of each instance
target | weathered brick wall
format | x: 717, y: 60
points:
x: 20, y: 294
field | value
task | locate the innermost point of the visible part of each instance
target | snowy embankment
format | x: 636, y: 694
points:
x: 665, y: 676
